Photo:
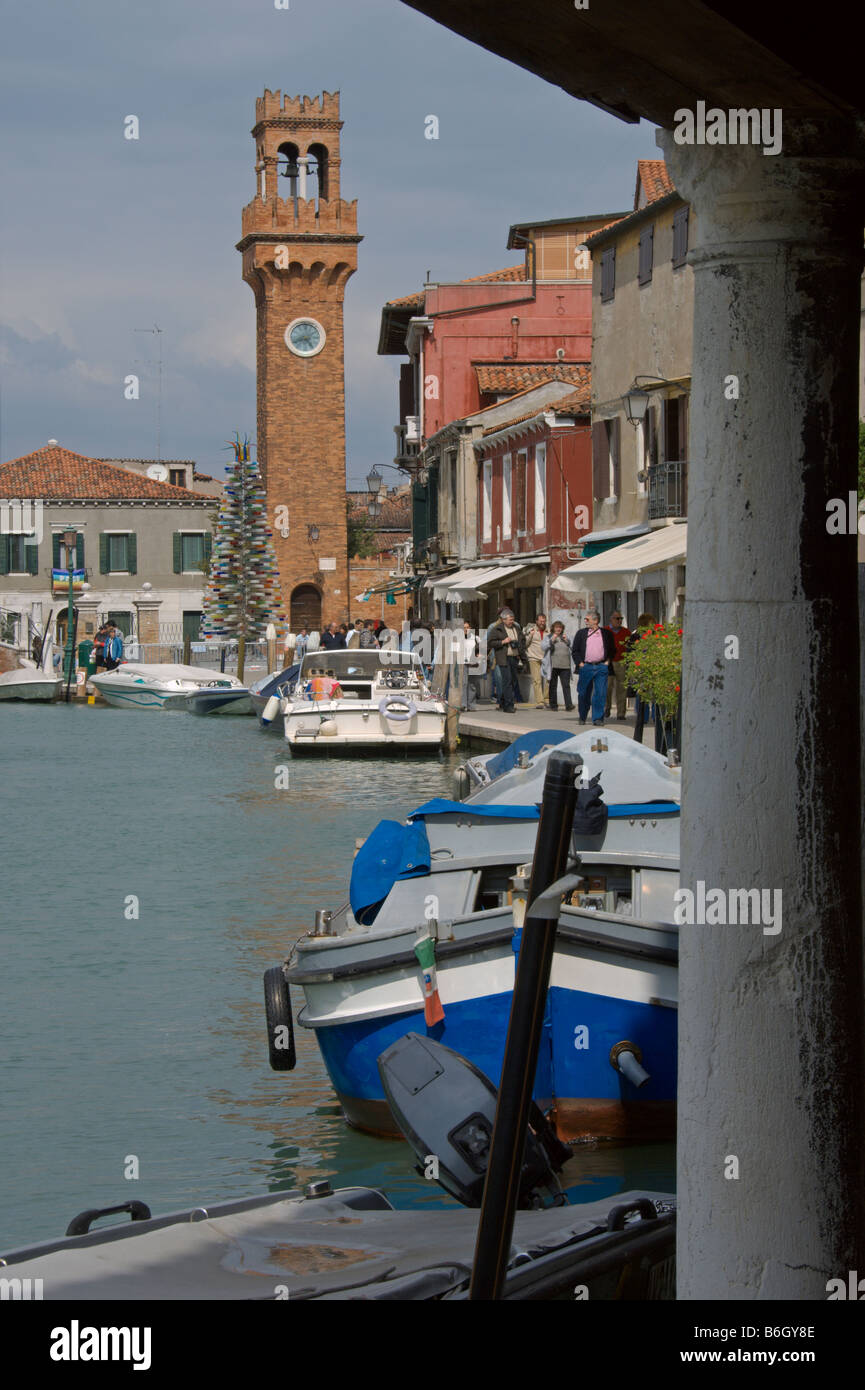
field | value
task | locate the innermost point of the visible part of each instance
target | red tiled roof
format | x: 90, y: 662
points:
x: 521, y: 376
x: 54, y: 472
x: 653, y: 176
x: 510, y: 272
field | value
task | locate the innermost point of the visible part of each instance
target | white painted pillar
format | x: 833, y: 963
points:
x: 771, y: 1027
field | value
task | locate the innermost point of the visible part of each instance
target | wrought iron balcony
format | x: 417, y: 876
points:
x: 668, y: 489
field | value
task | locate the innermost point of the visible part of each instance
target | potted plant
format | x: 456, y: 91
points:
x: 653, y: 668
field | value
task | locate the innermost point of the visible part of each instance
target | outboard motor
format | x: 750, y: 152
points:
x: 445, y: 1108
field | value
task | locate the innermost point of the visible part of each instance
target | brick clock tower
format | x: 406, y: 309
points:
x: 299, y: 247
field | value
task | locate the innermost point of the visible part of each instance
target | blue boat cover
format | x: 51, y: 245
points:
x: 440, y: 806
x: 530, y: 743
x: 391, y: 852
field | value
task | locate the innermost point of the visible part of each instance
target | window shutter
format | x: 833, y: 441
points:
x: 608, y: 274
x: 208, y: 547
x: 132, y: 552
x: 644, y: 271
x: 103, y: 553
x: 79, y: 551
x: 55, y: 551
x: 680, y: 237
x: 615, y: 442
x: 32, y: 554
x: 4, y: 554
x: 177, y: 541
x: 600, y: 459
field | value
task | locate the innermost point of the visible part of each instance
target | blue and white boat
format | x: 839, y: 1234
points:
x: 457, y: 872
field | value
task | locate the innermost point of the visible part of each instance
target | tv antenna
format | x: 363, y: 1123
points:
x: 158, y: 331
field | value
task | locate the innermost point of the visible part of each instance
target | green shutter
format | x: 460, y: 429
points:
x: 55, y: 550
x: 79, y: 551
x: 103, y: 553
x: 32, y: 554
x: 208, y: 547
x: 178, y: 553
x: 132, y: 552
x: 4, y: 554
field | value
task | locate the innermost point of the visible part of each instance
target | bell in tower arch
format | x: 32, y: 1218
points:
x: 288, y: 167
x: 320, y: 167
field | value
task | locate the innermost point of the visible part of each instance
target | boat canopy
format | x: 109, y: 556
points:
x: 391, y: 852
x: 357, y: 663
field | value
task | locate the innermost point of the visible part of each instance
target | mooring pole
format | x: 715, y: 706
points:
x: 535, y: 959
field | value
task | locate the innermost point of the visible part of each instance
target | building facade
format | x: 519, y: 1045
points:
x: 474, y: 343
x: 642, y: 333
x: 299, y: 248
x: 142, y: 549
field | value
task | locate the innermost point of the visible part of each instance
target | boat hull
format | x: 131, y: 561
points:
x: 327, y: 726
x: 597, y: 998
x: 43, y: 690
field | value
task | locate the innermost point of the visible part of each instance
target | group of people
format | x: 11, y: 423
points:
x: 596, y: 656
x: 107, y: 652
x: 363, y: 632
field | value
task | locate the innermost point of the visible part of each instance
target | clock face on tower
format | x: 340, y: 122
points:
x: 305, y: 337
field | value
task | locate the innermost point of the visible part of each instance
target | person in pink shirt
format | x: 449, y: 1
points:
x: 594, y: 649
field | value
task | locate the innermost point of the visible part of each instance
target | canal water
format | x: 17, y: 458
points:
x: 152, y: 869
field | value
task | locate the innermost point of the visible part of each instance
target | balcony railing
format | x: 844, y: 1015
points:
x: 406, y: 446
x: 668, y: 490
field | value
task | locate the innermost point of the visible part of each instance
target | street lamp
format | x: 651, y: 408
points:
x: 374, y: 482
x: 70, y: 540
x: 636, y: 400
x: 312, y: 533
x: 636, y: 403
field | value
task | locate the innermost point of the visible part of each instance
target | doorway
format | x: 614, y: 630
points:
x: 305, y: 608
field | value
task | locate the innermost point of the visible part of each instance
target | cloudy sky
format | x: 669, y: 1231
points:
x: 102, y: 235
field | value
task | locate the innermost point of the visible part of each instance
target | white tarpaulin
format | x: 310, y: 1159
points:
x: 625, y: 566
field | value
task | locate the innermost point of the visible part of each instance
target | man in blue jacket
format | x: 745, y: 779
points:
x: 594, y: 649
x: 113, y: 648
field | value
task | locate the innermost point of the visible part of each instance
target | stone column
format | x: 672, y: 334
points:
x: 771, y: 1023
x: 147, y: 628
x: 88, y: 617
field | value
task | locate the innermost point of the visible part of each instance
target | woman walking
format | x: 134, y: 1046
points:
x: 557, y: 665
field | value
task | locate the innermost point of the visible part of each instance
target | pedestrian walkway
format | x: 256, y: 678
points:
x: 487, y: 722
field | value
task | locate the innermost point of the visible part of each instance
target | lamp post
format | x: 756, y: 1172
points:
x: 70, y: 540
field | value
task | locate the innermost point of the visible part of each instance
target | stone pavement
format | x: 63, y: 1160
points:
x: 485, y: 721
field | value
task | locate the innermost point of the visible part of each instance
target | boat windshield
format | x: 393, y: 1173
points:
x: 357, y: 663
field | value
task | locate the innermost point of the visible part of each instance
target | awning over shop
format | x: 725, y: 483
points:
x: 440, y: 583
x: 627, y: 565
x: 596, y: 542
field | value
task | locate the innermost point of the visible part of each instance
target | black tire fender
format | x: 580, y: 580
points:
x: 280, y: 1024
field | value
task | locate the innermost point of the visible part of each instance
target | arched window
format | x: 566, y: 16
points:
x: 305, y: 608
x: 287, y: 167
x: 321, y: 156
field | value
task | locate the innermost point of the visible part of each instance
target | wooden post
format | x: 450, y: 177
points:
x: 187, y: 650
x: 241, y: 656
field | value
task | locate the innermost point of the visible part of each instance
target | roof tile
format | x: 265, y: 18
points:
x: 520, y: 376
x: 54, y: 472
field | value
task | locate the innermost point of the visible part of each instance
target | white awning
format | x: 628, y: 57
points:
x: 465, y: 585
x: 501, y: 572
x: 626, y: 565
x: 440, y: 583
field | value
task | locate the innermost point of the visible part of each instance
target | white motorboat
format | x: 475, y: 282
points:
x: 29, y: 683
x: 155, y: 685
x: 362, y: 698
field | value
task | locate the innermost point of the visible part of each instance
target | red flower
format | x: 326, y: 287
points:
x: 678, y: 632
x: 636, y: 663
x: 677, y: 687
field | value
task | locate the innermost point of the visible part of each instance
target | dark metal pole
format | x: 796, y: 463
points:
x: 508, y: 1143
